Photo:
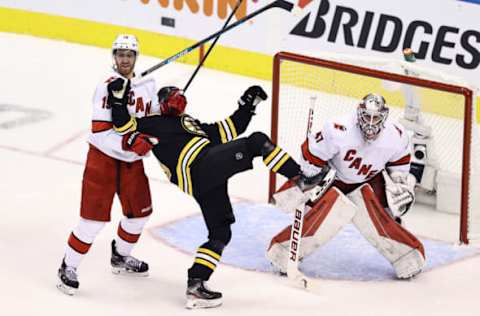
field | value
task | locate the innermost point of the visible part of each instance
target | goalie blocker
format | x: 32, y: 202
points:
x: 334, y: 210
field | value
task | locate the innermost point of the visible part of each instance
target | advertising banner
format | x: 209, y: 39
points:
x: 444, y: 34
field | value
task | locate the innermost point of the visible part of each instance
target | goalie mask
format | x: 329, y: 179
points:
x: 172, y: 101
x: 371, y: 116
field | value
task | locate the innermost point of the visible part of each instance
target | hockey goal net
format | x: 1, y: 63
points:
x: 438, y: 111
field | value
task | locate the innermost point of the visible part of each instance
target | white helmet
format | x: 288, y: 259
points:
x: 371, y: 116
x: 125, y: 41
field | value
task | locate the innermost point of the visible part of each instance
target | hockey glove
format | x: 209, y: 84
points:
x: 138, y: 143
x: 251, y: 97
x: 118, y: 91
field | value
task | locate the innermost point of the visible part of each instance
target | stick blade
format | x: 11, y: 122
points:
x: 284, y: 5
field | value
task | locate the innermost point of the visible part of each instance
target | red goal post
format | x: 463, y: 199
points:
x: 295, y: 74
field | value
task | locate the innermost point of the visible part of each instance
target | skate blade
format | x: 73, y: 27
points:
x: 196, y: 303
x: 410, y: 276
x: 66, y: 289
x: 123, y: 271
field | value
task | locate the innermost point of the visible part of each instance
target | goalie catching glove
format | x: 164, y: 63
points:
x: 138, y: 143
x: 252, y: 97
x: 399, y: 189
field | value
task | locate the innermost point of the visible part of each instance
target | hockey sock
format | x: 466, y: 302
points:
x: 128, y: 233
x: 279, y: 161
x: 80, y: 241
x: 206, y: 260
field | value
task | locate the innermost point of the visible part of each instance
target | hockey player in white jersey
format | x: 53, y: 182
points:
x: 372, y: 187
x: 114, y: 168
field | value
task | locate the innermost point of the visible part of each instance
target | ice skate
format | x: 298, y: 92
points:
x: 200, y: 296
x: 127, y: 265
x: 68, y: 282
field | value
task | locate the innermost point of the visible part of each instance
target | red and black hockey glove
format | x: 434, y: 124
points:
x: 138, y: 143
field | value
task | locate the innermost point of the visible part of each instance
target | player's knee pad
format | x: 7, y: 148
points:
x: 221, y: 234
x: 259, y: 144
x: 323, y: 221
x: 87, y: 230
x: 402, y: 249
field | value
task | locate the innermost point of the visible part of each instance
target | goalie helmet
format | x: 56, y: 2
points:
x: 371, y: 116
x: 172, y: 101
x: 125, y: 41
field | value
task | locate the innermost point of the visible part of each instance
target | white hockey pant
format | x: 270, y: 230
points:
x: 403, y: 250
x: 323, y: 221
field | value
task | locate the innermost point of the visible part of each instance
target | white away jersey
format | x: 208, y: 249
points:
x: 142, y: 102
x: 341, y: 145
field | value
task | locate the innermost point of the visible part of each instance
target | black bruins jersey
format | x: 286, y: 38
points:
x: 183, y: 139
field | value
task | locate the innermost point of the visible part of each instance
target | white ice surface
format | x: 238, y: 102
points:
x: 41, y: 171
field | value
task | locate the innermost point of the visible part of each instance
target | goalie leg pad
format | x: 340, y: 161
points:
x: 323, y: 221
x: 402, y: 249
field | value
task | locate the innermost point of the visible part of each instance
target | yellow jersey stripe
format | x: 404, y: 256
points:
x: 209, y: 252
x: 205, y: 263
x: 180, y: 161
x: 189, y: 162
x: 271, y: 156
x: 280, y: 163
x: 232, y: 128
x: 223, y: 136
x: 189, y: 152
x: 131, y: 125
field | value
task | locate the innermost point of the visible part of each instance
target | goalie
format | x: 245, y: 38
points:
x: 372, y: 188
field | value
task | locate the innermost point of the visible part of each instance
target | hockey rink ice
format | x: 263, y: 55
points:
x: 45, y: 108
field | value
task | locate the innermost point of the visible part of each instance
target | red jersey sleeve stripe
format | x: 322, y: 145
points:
x: 402, y: 161
x: 308, y: 156
x: 101, y: 126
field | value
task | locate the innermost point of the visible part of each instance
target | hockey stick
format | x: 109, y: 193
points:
x: 282, y: 4
x: 293, y: 273
x: 211, y: 46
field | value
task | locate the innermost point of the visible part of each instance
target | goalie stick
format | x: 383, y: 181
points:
x: 282, y: 4
x: 211, y: 46
x: 295, y: 276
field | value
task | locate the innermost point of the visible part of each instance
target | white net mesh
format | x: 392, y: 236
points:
x: 337, y: 92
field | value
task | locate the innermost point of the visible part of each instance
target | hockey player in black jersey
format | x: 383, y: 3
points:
x: 200, y: 158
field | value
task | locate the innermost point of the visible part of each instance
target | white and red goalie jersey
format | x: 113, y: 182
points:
x: 142, y: 102
x: 341, y: 145
x: 357, y: 196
